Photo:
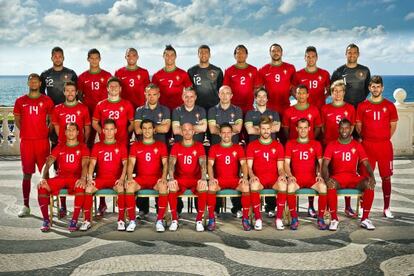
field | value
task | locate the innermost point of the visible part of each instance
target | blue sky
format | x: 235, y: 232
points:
x: 384, y: 30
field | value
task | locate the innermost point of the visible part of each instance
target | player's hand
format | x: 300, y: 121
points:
x: 291, y: 179
x: 202, y: 185
x: 331, y: 183
x: 243, y: 181
x: 130, y: 182
x: 120, y: 183
x: 80, y: 183
x: 91, y: 182
x: 254, y: 179
x: 213, y: 181
x: 319, y: 179
x: 371, y: 182
x: 282, y: 178
x: 42, y: 184
x: 172, y: 185
x: 162, y: 181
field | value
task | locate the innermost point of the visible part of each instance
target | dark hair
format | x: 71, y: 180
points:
x: 113, y: 79
x: 265, y: 120
x: 303, y: 120
x: 131, y: 50
x: 109, y: 121
x: 275, y: 45
x: 93, y: 51
x: 352, y: 45
x: 344, y: 121
x: 147, y: 121
x: 260, y: 89
x: 57, y: 49
x: 311, y: 49
x: 34, y: 75
x: 238, y: 47
x: 72, y: 124
x: 224, y: 125
x: 152, y: 86
x: 204, y: 46
x: 70, y: 83
x: 377, y: 80
x: 302, y: 86
x: 169, y: 47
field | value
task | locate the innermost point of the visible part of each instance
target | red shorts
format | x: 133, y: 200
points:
x: 105, y: 183
x: 267, y: 181
x: 34, y: 152
x: 146, y: 182
x: 228, y: 183
x: 347, y: 180
x: 57, y: 183
x: 382, y: 153
x: 306, y: 181
x: 187, y: 183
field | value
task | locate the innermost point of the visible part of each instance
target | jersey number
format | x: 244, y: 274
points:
x: 114, y: 114
x: 70, y: 118
x: 227, y: 160
x: 242, y: 81
x: 108, y: 156
x: 377, y: 115
x: 303, y: 155
x: 95, y: 85
x: 171, y: 82
x: 266, y: 156
x: 148, y: 157
x: 346, y: 156
x: 131, y: 82
x: 70, y: 158
x: 277, y: 78
x: 338, y: 119
x: 313, y: 84
x: 197, y: 80
x: 188, y: 159
x: 34, y: 109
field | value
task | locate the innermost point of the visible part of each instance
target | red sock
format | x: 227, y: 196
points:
x: 79, y: 200
x: 211, y: 204
x: 130, y: 206
x: 333, y: 203
x: 87, y: 206
x: 202, y: 200
x: 245, y: 203
x: 255, y: 201
x: 172, y: 200
x: 311, y: 199
x: 347, y: 202
x: 386, y: 191
x: 291, y: 200
x: 368, y: 197
x: 44, y: 200
x: 281, y: 201
x: 162, y: 205
x: 121, y: 206
x: 321, y: 205
x: 26, y: 184
x: 63, y: 202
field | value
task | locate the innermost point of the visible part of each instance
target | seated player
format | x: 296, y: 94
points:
x: 187, y: 170
x: 301, y: 157
x: 73, y: 159
x: 339, y: 170
x: 150, y: 159
x: 224, y: 162
x: 265, y: 159
x: 110, y: 158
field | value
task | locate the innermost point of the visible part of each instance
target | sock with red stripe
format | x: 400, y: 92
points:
x: 386, y: 191
x: 44, y: 200
x: 347, y: 202
x: 162, y: 205
x: 79, y: 201
x: 202, y: 201
x: 172, y: 200
x: 130, y: 206
x: 322, y: 201
x: 26, y: 185
x: 291, y: 200
x: 333, y: 203
x: 245, y: 203
x: 255, y: 201
x: 368, y: 197
x: 281, y: 201
x: 87, y: 206
x: 211, y: 204
x: 122, y: 205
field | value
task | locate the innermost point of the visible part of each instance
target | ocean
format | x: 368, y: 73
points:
x: 12, y: 87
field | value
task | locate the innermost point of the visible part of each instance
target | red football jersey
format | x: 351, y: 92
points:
x: 33, y: 113
x: 242, y: 81
x: 121, y: 111
x: 316, y: 82
x: 226, y: 160
x: 293, y: 114
x: 344, y: 157
x: 171, y: 86
x: 265, y: 157
x: 69, y: 159
x: 187, y: 165
x: 109, y: 159
x: 133, y: 84
x: 303, y: 157
x: 331, y: 115
x: 148, y: 158
x: 64, y: 114
x: 278, y: 81
x: 93, y: 88
x: 376, y: 119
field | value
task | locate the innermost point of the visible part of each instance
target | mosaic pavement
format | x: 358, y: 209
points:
x: 389, y: 250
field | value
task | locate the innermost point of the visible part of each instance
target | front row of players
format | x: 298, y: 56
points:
x: 266, y: 165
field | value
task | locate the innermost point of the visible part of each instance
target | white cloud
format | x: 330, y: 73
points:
x: 409, y: 16
x: 84, y: 3
x: 287, y: 6
x: 64, y: 20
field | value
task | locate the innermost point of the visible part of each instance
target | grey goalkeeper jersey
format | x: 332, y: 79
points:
x: 53, y: 82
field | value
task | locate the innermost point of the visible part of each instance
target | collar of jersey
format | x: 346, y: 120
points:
x: 169, y: 71
x: 275, y: 65
x: 264, y: 143
x: 240, y: 67
x: 350, y: 140
x: 307, y: 142
x: 187, y: 146
x: 132, y: 70
x: 147, y: 143
x: 376, y: 102
x: 306, y: 70
x: 109, y: 143
x: 94, y: 73
x: 72, y: 146
x: 300, y: 108
x: 28, y: 95
x: 71, y: 105
x: 338, y: 105
x: 114, y: 101
x: 227, y: 146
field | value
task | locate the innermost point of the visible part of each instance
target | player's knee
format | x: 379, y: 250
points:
x: 322, y: 188
x: 291, y: 188
x: 255, y: 185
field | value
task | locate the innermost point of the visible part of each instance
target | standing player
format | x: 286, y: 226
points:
x: 54, y: 78
x: 265, y: 158
x: 73, y: 159
x: 355, y: 76
x: 191, y: 113
x: 92, y: 86
x: 33, y: 109
x: 225, y: 160
x: 277, y: 78
x: 376, y: 122
x: 171, y: 80
x: 303, y: 164
x: 206, y: 79
x: 342, y: 157
x: 187, y: 169
x: 110, y: 159
x: 133, y: 78
x: 243, y: 79
x: 149, y: 158
x: 116, y: 108
x: 314, y: 78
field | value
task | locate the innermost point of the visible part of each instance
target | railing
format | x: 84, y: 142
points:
x: 403, y: 139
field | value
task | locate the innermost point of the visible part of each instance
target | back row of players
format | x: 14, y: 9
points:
x: 122, y: 112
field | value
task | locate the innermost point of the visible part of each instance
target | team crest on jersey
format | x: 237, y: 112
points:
x: 177, y: 78
x: 156, y: 150
x: 194, y: 152
x: 121, y: 109
x: 41, y: 104
x: 360, y: 74
x: 353, y: 150
x: 311, y: 150
x: 212, y: 75
x: 273, y: 150
x: 234, y: 153
x: 116, y: 151
x: 138, y: 76
x: 271, y: 117
x: 102, y: 79
x: 285, y: 71
x: 320, y: 78
x: 77, y: 152
x: 346, y: 113
x: 250, y: 75
x: 197, y: 117
x: 384, y: 109
x: 78, y: 112
x: 65, y: 77
x: 310, y: 116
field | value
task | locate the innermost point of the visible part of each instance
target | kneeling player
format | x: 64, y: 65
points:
x: 147, y: 156
x: 224, y: 162
x: 301, y: 157
x: 187, y: 170
x: 265, y: 159
x: 73, y: 158
x: 343, y: 156
x: 110, y: 157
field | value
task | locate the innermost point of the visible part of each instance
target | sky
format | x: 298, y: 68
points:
x: 383, y: 29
